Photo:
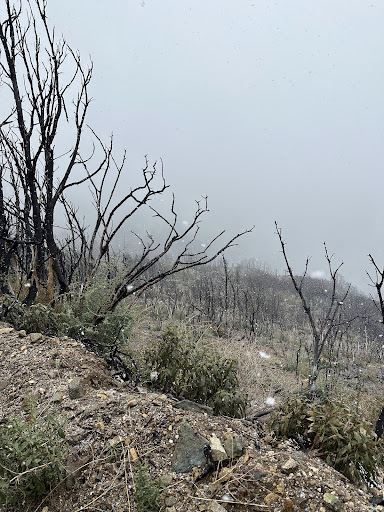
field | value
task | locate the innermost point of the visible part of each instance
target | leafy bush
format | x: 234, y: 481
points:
x: 338, y: 434
x: 147, y: 490
x: 36, y: 318
x: 32, y: 454
x: 181, y: 367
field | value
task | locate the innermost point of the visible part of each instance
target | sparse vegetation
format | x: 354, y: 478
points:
x: 147, y: 490
x: 319, y: 333
x: 73, y: 315
x: 191, y: 370
x: 32, y: 455
x: 334, y: 431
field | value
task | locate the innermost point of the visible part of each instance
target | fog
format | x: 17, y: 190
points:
x: 273, y: 109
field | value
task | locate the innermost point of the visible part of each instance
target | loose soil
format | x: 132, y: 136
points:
x: 137, y: 424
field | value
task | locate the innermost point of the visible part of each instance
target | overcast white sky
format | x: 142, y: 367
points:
x: 273, y: 109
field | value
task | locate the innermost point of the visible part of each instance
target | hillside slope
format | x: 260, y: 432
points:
x: 112, y: 426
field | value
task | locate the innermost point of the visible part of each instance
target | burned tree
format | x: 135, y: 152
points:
x: 327, y: 327
x: 378, y: 281
x: 43, y: 158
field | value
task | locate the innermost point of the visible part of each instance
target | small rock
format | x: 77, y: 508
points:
x: 332, y: 501
x: 233, y: 446
x: 35, y: 337
x: 6, y: 330
x: 165, y: 480
x: 216, y: 507
x: 271, y: 498
x: 188, y: 405
x: 133, y: 454
x: 76, y: 388
x: 132, y: 403
x: 3, y: 384
x: 288, y: 505
x: 257, y: 475
x: 289, y: 467
x: 225, y: 474
x: 57, y: 397
x: 218, y: 452
x: 170, y: 501
x: 100, y: 425
x: 22, y: 333
x: 189, y: 449
x: 280, y: 487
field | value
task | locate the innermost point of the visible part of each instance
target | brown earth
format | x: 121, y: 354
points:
x: 144, y: 425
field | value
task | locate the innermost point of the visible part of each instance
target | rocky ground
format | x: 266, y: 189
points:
x: 111, y: 426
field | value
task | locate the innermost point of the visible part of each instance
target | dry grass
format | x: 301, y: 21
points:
x: 267, y: 366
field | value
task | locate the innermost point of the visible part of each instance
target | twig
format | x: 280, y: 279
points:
x: 246, y: 503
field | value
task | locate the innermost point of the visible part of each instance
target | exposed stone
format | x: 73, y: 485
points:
x: 271, y: 498
x: 290, y: 466
x: 6, y: 330
x: 3, y: 384
x: 133, y: 454
x: 233, y: 446
x: 189, y: 449
x: 217, y: 450
x: 75, y: 465
x: 165, y: 480
x: 188, y: 405
x: 57, y: 397
x: 288, y: 505
x: 332, y: 501
x: 22, y: 333
x: 170, y: 501
x: 76, y: 388
x: 216, y: 507
x: 257, y: 475
x: 35, y: 337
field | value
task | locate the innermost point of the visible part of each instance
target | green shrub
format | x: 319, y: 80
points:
x: 338, y: 434
x: 36, y: 318
x: 12, y: 311
x: 147, y: 490
x: 185, y: 369
x: 74, y: 314
x: 32, y: 454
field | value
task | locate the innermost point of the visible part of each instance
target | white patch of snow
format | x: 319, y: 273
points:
x: 264, y: 355
x: 270, y: 401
